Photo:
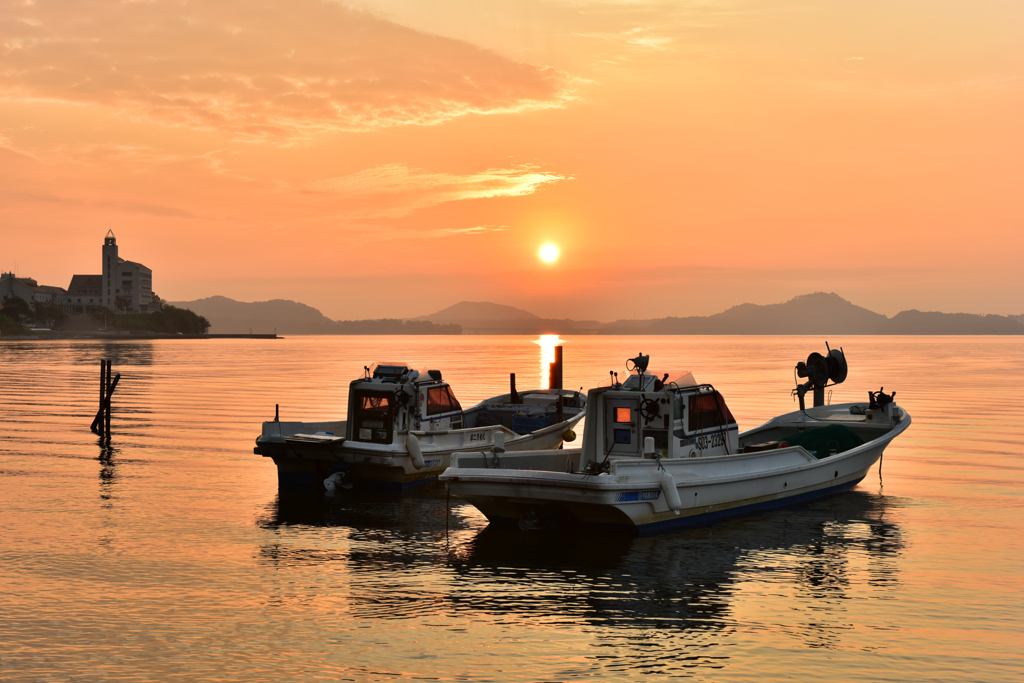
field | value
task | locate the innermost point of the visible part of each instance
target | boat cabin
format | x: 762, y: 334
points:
x: 392, y: 399
x: 645, y: 417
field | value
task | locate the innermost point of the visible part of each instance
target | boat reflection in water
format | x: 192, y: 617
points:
x: 685, y: 583
x: 686, y: 580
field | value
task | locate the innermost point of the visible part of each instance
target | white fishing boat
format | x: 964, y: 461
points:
x: 403, y: 426
x: 658, y: 454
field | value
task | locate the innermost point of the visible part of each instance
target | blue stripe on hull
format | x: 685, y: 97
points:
x: 700, y: 520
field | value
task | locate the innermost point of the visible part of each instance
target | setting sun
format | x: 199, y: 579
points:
x: 549, y: 253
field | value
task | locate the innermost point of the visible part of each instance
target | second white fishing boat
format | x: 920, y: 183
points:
x: 404, y: 425
x: 658, y: 454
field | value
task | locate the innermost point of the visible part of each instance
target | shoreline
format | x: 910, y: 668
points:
x: 128, y: 336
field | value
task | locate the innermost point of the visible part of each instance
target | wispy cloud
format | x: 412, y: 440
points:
x: 475, y: 230
x: 257, y: 68
x: 395, y: 190
x: 126, y: 206
x: 387, y: 233
x: 8, y: 145
x: 136, y: 157
x: 641, y: 37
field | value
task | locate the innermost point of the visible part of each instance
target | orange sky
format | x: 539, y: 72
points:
x: 392, y: 157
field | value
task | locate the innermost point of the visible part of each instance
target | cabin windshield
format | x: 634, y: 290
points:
x: 708, y: 411
x: 441, y: 400
x: 390, y: 372
x: 373, y: 417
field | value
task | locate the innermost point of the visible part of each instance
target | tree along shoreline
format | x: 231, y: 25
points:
x: 50, y: 321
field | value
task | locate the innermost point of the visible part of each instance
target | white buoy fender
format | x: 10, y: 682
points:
x: 499, y: 441
x: 668, y: 487
x: 331, y: 483
x: 415, y: 452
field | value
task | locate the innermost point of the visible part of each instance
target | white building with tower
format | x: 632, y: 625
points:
x: 127, y: 286
x: 124, y: 287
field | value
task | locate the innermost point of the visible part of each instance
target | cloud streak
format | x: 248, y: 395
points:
x: 641, y: 37
x: 126, y: 206
x: 394, y: 190
x: 257, y: 68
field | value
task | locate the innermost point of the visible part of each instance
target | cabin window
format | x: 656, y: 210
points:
x: 441, y: 400
x: 708, y: 411
x: 623, y: 415
x: 375, y: 403
x: 373, y: 418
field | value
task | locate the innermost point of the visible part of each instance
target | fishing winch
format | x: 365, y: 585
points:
x: 819, y: 370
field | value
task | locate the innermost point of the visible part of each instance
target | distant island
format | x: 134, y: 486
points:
x: 818, y: 313
x: 228, y: 316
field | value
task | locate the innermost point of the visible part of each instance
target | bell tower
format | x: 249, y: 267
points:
x: 110, y: 261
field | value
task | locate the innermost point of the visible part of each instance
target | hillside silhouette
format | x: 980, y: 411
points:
x: 282, y: 316
x: 808, y: 314
x: 476, y: 311
x: 819, y: 313
x: 482, y: 317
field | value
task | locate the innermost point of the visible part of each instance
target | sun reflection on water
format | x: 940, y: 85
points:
x: 547, y: 343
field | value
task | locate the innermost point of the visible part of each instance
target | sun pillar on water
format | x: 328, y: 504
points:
x: 547, y: 343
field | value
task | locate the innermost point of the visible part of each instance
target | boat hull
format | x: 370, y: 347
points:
x: 635, y: 494
x: 309, y: 463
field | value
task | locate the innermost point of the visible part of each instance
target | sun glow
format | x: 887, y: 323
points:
x: 549, y: 253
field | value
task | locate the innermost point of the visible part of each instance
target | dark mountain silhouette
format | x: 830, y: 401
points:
x: 918, y: 322
x: 228, y: 316
x: 482, y: 317
x: 817, y: 313
x: 474, y: 311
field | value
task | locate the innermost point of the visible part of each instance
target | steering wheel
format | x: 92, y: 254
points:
x: 649, y: 409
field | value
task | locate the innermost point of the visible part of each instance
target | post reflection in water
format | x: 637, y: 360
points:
x: 547, y: 343
x: 675, y: 593
x: 108, y: 470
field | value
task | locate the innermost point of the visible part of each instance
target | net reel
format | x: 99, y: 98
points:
x: 819, y: 371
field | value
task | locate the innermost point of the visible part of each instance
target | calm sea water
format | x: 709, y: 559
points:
x: 170, y: 555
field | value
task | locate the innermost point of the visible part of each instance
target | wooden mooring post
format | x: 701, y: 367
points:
x: 555, y: 370
x: 101, y: 423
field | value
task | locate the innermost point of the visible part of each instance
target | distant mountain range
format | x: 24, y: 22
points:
x: 478, y: 311
x: 228, y: 316
x: 481, y: 317
x: 818, y: 313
